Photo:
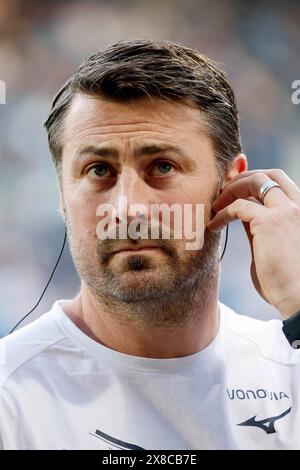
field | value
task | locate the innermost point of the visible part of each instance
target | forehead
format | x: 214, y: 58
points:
x: 92, y: 116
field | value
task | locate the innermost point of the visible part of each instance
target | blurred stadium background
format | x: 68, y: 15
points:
x: 42, y: 42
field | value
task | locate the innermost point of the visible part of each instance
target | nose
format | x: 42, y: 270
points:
x: 130, y: 196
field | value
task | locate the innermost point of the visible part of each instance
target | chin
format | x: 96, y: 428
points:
x: 140, y: 277
x: 135, y: 264
x: 152, y: 275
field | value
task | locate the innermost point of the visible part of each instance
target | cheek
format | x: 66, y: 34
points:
x: 82, y: 214
x: 195, y: 191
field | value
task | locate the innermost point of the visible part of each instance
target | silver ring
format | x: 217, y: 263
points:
x: 265, y: 188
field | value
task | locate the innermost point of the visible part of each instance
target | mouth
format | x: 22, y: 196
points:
x: 132, y: 251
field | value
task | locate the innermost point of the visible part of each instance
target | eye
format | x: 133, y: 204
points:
x: 101, y: 170
x: 162, y: 168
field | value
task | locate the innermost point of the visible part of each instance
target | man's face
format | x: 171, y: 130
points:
x: 152, y: 152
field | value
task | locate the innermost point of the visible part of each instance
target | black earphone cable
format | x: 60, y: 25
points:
x: 225, y: 244
x: 53, y: 271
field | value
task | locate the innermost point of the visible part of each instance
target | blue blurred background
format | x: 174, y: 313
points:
x: 41, y: 44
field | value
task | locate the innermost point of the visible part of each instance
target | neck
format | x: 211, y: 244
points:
x: 120, y: 327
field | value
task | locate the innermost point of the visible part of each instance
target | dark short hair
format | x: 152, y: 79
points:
x: 131, y: 70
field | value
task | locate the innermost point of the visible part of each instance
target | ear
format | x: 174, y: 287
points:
x: 237, y: 166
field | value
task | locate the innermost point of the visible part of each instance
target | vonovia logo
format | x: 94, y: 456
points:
x: 2, y: 92
x: 296, y: 94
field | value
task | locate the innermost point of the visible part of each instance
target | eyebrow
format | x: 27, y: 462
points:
x: 105, y: 151
x: 152, y: 149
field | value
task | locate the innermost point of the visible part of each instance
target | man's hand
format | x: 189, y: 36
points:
x: 273, y: 231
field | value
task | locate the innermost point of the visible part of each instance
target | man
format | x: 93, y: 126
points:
x: 146, y: 356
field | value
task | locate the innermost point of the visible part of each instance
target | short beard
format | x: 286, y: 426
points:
x: 167, y: 296
x: 152, y: 299
x: 176, y: 276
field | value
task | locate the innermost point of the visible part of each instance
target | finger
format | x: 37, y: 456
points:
x: 244, y: 188
x: 253, y: 271
x: 241, y: 209
x: 279, y: 176
x: 254, y: 200
x: 249, y: 236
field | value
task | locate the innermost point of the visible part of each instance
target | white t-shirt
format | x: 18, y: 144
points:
x: 59, y: 389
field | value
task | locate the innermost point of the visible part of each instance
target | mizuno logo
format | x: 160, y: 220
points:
x: 116, y: 443
x: 266, y: 424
